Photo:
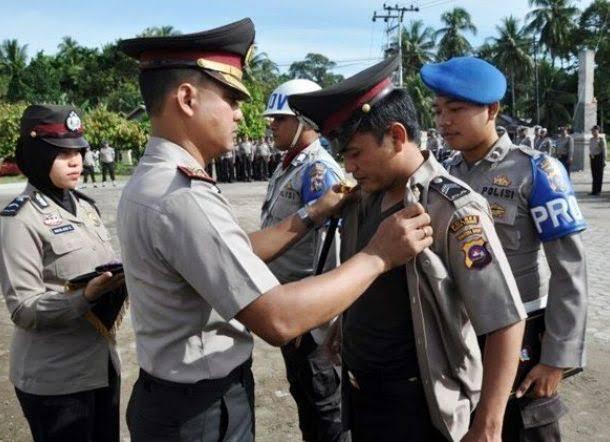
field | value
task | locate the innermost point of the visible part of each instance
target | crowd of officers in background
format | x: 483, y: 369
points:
x: 251, y: 160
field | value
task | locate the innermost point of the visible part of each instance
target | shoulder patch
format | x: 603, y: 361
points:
x: 15, y: 206
x: 448, y: 188
x: 196, y: 174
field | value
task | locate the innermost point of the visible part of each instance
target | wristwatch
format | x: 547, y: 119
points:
x: 303, y: 214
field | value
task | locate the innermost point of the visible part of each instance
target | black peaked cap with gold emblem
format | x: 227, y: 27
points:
x: 59, y: 126
x: 221, y: 52
x: 329, y: 108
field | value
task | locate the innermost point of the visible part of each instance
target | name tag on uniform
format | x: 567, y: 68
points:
x: 62, y: 229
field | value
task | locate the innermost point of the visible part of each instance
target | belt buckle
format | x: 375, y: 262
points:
x: 352, y: 380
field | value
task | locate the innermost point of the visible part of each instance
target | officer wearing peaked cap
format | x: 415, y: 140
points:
x: 412, y: 366
x: 66, y: 374
x: 199, y: 282
x: 534, y: 207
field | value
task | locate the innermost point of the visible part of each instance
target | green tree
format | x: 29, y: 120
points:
x: 159, y: 31
x: 554, y: 23
x: 10, y: 118
x: 13, y: 61
x: 511, y: 51
x: 101, y: 124
x: 41, y: 78
x: 422, y: 100
x: 264, y: 72
x: 315, y: 67
x: 253, y: 124
x: 452, y: 41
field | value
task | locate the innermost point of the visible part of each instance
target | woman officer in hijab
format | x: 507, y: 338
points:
x: 65, y: 373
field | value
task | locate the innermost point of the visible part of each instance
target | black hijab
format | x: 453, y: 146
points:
x: 35, y: 159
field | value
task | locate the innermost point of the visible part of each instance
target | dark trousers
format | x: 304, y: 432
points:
x: 86, y: 416
x: 89, y: 171
x: 597, y: 171
x: 107, y: 168
x: 533, y: 420
x: 209, y: 410
x: 563, y: 159
x: 316, y: 388
x: 379, y: 410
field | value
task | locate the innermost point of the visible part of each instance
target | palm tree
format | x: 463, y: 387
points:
x: 13, y: 61
x: 159, y: 31
x: 511, y: 53
x: 417, y: 47
x: 453, y: 43
x: 554, y: 21
x: 262, y: 69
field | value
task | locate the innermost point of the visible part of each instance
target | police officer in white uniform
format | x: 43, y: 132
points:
x: 412, y: 366
x: 65, y: 373
x: 534, y: 209
x: 305, y: 174
x: 198, y: 283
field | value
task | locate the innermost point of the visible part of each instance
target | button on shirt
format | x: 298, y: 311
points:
x: 189, y: 270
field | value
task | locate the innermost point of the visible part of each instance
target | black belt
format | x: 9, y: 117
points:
x: 377, y: 382
x: 238, y: 374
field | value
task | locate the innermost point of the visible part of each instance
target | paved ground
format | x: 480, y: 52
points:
x: 587, y: 395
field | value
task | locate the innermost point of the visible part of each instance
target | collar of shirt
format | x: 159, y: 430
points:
x: 171, y: 153
x: 497, y: 152
x: 421, y: 178
x: 297, y: 156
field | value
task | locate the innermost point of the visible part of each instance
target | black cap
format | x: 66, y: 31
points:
x: 57, y: 125
x: 221, y: 52
x: 329, y: 108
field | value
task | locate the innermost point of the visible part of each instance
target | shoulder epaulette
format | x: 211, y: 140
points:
x: 448, y: 188
x: 82, y: 196
x: 15, y: 206
x: 196, y: 174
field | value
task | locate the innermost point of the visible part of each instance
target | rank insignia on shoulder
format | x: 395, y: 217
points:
x: 502, y: 181
x: 448, y: 188
x: 15, y: 206
x: 476, y: 254
x: 196, y: 174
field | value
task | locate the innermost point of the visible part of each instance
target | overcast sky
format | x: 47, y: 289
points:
x: 286, y: 30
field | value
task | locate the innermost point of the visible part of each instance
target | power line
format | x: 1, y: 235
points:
x: 395, y: 13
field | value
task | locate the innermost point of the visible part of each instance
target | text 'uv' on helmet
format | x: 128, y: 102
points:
x: 278, y: 100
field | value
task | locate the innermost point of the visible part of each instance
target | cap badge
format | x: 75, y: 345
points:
x: 366, y: 108
x: 73, y: 121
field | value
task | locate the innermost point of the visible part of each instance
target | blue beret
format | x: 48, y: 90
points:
x: 466, y: 79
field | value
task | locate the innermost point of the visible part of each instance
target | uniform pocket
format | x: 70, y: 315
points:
x: 69, y: 260
x: 542, y: 411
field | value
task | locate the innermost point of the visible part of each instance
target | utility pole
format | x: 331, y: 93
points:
x: 536, y: 80
x: 395, y: 13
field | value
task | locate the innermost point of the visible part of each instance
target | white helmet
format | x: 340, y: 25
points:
x: 278, y: 100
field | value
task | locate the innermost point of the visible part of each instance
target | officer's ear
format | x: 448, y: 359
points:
x: 186, y: 96
x: 493, y: 110
x: 399, y: 135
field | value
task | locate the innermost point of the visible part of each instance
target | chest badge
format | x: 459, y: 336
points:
x: 497, y: 211
x: 94, y: 219
x: 476, y: 254
x: 52, y: 219
x: 502, y: 181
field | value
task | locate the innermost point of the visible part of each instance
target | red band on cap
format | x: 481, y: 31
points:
x: 220, y: 57
x: 342, y: 115
x: 58, y: 130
